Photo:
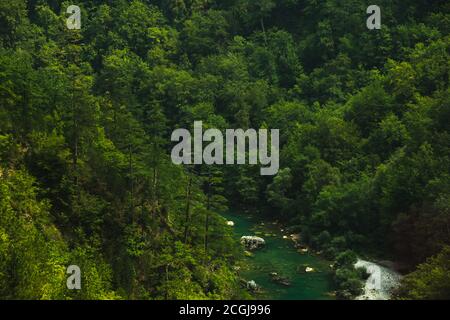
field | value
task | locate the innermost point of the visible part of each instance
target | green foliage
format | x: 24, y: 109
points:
x: 86, y: 117
x: 346, y: 259
x: 348, y: 282
x: 430, y: 281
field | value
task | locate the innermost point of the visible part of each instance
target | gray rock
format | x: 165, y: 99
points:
x: 252, y: 242
x: 251, y: 285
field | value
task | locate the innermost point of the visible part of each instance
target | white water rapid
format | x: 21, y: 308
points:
x: 380, y: 283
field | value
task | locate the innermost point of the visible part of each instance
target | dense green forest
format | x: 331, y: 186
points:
x: 86, y: 116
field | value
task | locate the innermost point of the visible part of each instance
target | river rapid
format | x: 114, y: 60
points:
x: 380, y: 283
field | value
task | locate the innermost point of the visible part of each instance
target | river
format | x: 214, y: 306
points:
x: 380, y: 283
x: 279, y: 255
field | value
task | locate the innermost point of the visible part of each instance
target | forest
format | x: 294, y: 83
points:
x: 86, y: 117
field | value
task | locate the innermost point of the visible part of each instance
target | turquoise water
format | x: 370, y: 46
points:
x: 280, y: 256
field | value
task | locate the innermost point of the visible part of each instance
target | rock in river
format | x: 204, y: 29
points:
x: 252, y: 242
x: 251, y: 285
x: 279, y: 279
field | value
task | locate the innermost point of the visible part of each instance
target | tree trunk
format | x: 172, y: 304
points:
x: 208, y: 207
x: 188, y: 209
x: 263, y: 30
x: 130, y: 168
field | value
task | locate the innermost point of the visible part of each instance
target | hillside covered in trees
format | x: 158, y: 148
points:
x: 86, y: 116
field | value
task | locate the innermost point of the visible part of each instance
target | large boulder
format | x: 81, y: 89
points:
x: 252, y: 242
